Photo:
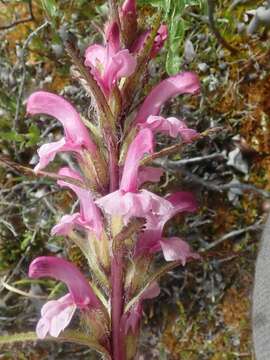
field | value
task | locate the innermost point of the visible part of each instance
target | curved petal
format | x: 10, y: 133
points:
x: 171, y: 126
x: 176, y: 249
x: 133, y: 318
x: 182, y: 201
x: 149, y: 240
x: 96, y: 56
x: 182, y: 83
x: 65, y: 271
x: 47, y: 152
x: 43, y: 102
x: 42, y: 328
x: 151, y: 292
x: 61, y: 320
x: 128, y: 8
x: 129, y: 204
x: 149, y: 174
x: 122, y: 64
x: 55, y: 316
x: 90, y: 214
x: 65, y: 225
x: 143, y: 143
x: 112, y: 36
x: 160, y: 39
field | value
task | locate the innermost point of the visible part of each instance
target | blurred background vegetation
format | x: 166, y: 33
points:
x: 203, y: 311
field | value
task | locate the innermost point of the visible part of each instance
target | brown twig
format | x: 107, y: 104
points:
x: 31, y: 17
x: 233, y: 233
x: 216, y: 32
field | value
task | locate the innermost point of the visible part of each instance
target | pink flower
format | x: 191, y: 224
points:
x: 132, y: 319
x: 151, y: 240
x: 89, y: 216
x: 182, y: 83
x: 57, y: 314
x: 159, y: 41
x: 170, y: 126
x: 176, y: 249
x: 128, y: 201
x: 109, y: 63
x: 76, y: 134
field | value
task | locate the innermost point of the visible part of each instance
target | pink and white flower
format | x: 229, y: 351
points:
x: 128, y: 201
x: 76, y: 136
x: 151, y: 240
x: 109, y: 63
x: 57, y: 314
x: 89, y: 216
x: 171, y: 126
x: 182, y: 83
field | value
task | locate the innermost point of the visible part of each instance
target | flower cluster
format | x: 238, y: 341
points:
x: 119, y: 224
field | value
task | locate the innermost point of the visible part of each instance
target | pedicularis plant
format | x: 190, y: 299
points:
x: 119, y: 224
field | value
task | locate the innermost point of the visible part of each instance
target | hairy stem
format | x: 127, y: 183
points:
x: 117, y: 306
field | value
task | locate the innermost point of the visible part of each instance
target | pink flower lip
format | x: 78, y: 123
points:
x: 76, y: 136
x: 89, y: 216
x: 171, y: 126
x: 182, y: 83
x: 142, y: 144
x: 63, y: 270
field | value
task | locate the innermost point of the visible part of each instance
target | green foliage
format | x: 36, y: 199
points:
x: 25, y: 140
x: 50, y: 8
x: 173, y: 16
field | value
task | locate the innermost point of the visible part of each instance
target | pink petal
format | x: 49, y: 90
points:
x: 149, y: 240
x: 96, y: 56
x: 42, y: 328
x: 130, y: 204
x: 151, y: 292
x: 149, y: 174
x: 129, y: 8
x: 142, y: 144
x: 47, y: 152
x: 65, y: 225
x: 175, y: 249
x: 42, y: 102
x: 65, y: 271
x: 159, y: 40
x: 62, y: 320
x: 171, y: 126
x: 182, y: 201
x: 133, y: 318
x: 162, y: 35
x: 90, y: 214
x: 110, y: 63
x: 112, y: 36
x: 55, y: 316
x: 122, y: 64
x: 182, y: 83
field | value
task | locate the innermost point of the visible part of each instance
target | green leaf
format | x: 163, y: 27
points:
x: 176, y: 40
x: 67, y: 336
x: 11, y: 136
x: 33, y: 136
x: 50, y: 7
